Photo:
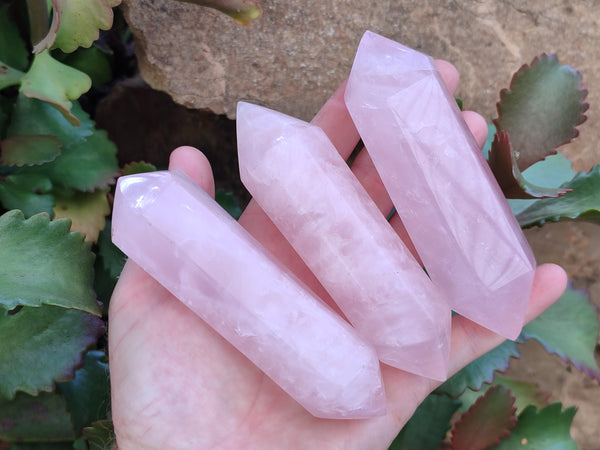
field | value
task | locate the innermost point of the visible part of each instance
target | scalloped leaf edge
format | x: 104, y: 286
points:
x: 584, y: 105
x: 503, y: 164
x: 474, y: 410
x: 50, y: 37
x: 593, y: 373
x: 63, y: 226
x: 589, y: 215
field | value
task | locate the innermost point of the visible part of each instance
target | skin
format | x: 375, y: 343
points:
x: 177, y: 384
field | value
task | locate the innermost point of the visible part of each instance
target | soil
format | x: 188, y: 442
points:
x: 146, y: 125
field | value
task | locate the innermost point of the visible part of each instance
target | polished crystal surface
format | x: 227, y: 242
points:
x: 298, y: 178
x: 440, y: 184
x: 189, y: 244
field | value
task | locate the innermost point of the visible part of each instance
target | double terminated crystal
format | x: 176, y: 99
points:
x: 298, y: 178
x: 189, y: 244
x: 441, y: 187
x: 440, y: 184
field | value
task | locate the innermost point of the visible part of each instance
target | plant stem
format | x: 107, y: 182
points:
x: 38, y: 20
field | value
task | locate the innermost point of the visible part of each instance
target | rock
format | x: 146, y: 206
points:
x: 297, y: 53
x: 147, y: 125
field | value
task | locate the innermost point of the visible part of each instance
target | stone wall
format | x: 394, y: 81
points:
x: 297, y: 53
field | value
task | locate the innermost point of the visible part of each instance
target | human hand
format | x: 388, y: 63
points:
x: 177, y: 384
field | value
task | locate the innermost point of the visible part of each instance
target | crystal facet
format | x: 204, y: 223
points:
x: 189, y: 244
x: 440, y: 184
x: 298, y: 178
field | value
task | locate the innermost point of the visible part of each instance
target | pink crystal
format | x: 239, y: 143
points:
x: 440, y: 184
x: 189, y: 244
x: 298, y: 178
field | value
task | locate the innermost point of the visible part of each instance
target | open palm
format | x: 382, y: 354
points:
x: 177, y: 384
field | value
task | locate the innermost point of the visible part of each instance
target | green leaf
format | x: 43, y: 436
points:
x: 583, y: 203
x: 510, y: 179
x: 34, y: 182
x: 88, y: 159
x: 101, y: 435
x: 56, y: 83
x: 242, y: 11
x: 487, y: 146
x: 32, y: 117
x: 80, y: 444
x: 551, y: 172
x: 13, y: 50
x: 41, y: 262
x: 45, y: 446
x: 480, y: 371
x: 459, y: 102
x: 86, y: 165
x: 6, y: 107
x: 490, y: 419
x: 539, y: 113
x: 541, y: 109
x: 9, y: 76
x: 27, y: 192
x: 569, y: 329
x: 43, y: 345
x: 88, y: 394
x: 543, y: 430
x: 104, y: 285
x: 137, y: 167
x: 34, y: 419
x: 50, y: 37
x: 525, y: 393
x: 229, y: 203
x: 80, y: 21
x: 29, y: 150
x: 87, y: 211
x: 109, y: 264
x: 92, y: 61
x: 113, y: 259
x: 427, y: 427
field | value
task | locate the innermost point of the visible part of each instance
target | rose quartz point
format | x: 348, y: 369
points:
x: 298, y: 178
x: 180, y: 236
x: 440, y: 184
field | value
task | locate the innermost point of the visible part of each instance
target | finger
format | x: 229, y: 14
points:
x: 549, y: 284
x: 470, y: 341
x: 477, y: 125
x: 194, y: 164
x: 334, y: 119
x: 449, y: 73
